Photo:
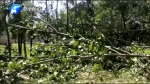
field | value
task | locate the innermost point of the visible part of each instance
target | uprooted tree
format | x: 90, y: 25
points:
x: 101, y: 34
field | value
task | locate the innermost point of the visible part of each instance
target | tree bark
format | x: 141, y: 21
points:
x: 6, y: 26
x: 67, y: 16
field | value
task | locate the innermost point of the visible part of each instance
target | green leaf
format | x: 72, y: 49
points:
x: 13, y: 65
x: 90, y: 46
x: 95, y: 48
x: 75, y: 43
x: 73, y: 51
x: 64, y: 60
x: 96, y: 67
x: 2, y: 64
x: 47, y: 47
x: 34, y: 59
x: 55, y: 73
x: 61, y: 49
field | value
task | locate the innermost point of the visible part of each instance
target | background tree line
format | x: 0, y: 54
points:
x: 97, y: 35
x: 121, y: 22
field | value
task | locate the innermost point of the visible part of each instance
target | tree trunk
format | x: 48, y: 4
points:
x: 17, y: 19
x: 124, y: 20
x: 67, y: 16
x: 8, y: 37
x: 24, y: 42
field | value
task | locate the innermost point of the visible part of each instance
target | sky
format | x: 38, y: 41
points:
x: 60, y: 5
x: 42, y: 4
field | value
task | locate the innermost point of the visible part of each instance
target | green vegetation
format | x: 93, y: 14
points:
x: 91, y: 42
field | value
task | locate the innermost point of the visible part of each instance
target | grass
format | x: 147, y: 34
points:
x: 15, y: 47
x: 2, y: 48
x: 147, y: 51
x: 14, y: 50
